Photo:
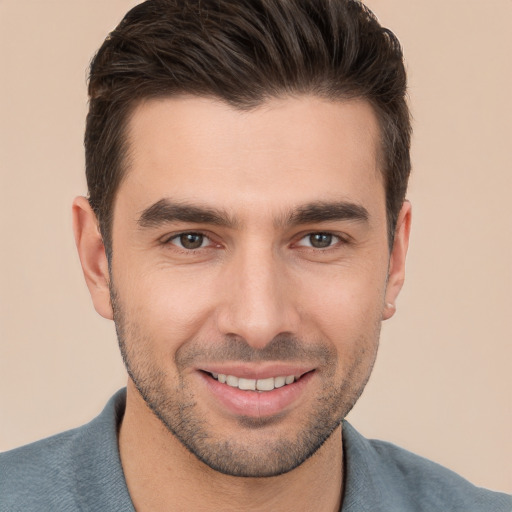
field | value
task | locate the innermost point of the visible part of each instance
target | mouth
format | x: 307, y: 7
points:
x: 264, y: 385
x: 242, y: 392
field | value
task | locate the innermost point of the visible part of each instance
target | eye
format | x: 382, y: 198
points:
x: 319, y: 240
x: 190, y: 241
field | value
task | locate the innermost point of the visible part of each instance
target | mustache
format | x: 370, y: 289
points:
x: 232, y: 348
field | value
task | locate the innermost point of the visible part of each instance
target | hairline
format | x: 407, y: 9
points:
x: 126, y: 157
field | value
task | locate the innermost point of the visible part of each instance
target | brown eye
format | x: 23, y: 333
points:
x: 189, y: 241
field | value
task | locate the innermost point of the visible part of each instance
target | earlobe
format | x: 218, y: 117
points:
x: 92, y: 255
x: 396, y: 271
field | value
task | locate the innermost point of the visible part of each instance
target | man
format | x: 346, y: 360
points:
x: 246, y: 229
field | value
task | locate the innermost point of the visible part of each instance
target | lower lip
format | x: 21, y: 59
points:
x: 256, y: 404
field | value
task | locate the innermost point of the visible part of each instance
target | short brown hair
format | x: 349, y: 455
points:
x: 243, y: 52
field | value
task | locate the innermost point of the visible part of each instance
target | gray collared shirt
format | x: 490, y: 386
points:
x: 80, y: 470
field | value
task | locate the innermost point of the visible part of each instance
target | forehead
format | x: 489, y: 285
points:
x: 284, y: 152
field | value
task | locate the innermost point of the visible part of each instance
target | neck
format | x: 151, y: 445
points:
x: 160, y: 472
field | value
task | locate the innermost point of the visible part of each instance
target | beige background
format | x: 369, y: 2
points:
x: 442, y: 383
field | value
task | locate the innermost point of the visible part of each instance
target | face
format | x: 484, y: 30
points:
x: 250, y: 273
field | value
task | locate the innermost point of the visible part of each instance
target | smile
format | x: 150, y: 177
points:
x: 257, y: 390
x: 268, y: 384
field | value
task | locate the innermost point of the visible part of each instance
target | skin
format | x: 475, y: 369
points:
x: 256, y: 297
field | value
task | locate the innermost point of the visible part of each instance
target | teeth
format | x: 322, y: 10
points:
x: 232, y: 381
x: 247, y: 384
x: 265, y: 384
x: 253, y: 384
x: 279, y: 382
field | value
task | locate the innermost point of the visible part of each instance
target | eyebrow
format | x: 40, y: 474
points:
x: 166, y: 211
x: 322, y: 211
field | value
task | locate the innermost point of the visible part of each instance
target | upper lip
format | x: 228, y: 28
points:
x: 260, y: 371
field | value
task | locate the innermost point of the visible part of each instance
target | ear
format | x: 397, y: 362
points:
x: 92, y: 255
x: 396, y: 271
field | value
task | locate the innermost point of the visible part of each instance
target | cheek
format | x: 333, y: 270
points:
x: 170, y: 306
x: 346, y: 315
x: 175, y: 304
x: 344, y: 304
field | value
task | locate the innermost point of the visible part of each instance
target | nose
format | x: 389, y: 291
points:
x: 258, y: 300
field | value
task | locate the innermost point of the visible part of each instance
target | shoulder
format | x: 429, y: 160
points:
x: 39, y: 473
x: 76, y: 470
x: 405, y: 481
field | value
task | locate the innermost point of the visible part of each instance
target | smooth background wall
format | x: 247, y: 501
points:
x: 441, y: 386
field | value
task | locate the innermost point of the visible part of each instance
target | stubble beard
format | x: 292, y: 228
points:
x: 176, y: 407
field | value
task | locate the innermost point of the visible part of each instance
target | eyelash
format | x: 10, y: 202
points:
x: 177, y: 237
x: 337, y: 238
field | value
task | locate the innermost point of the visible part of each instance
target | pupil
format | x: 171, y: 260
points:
x: 191, y: 240
x: 320, y: 240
